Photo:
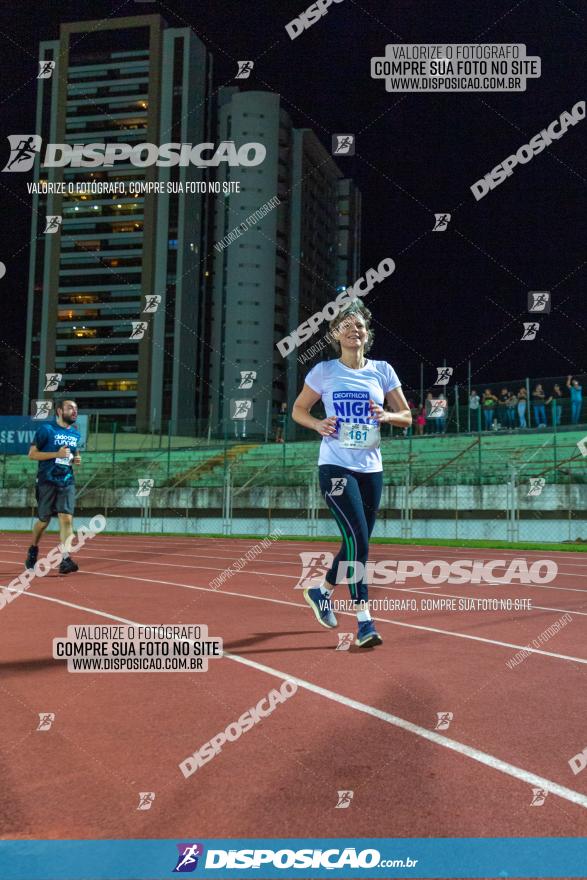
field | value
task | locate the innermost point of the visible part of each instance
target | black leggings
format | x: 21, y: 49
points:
x: 354, y: 510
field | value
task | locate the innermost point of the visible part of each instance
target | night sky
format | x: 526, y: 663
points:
x: 455, y: 295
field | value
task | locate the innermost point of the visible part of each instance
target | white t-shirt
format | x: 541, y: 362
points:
x: 345, y: 393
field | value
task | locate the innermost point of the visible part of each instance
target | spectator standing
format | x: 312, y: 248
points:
x: 522, y: 407
x: 576, y: 391
x: 555, y: 402
x: 421, y: 421
x: 441, y: 423
x: 489, y: 402
x: 281, y: 423
x: 502, y: 407
x: 511, y: 405
x: 430, y: 422
x: 414, y: 411
x: 538, y: 408
x: 475, y: 410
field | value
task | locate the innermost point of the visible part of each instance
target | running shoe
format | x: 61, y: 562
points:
x: 31, y: 557
x: 368, y: 636
x: 321, y: 606
x: 68, y: 565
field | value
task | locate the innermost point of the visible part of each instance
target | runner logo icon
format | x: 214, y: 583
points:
x: 444, y: 719
x: 314, y: 567
x: 187, y: 860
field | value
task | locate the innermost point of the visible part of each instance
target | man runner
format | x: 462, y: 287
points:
x: 55, y: 447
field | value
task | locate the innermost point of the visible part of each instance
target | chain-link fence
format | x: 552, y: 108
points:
x: 528, y: 486
x: 520, y: 404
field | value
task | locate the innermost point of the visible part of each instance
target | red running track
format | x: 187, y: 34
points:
x: 360, y: 720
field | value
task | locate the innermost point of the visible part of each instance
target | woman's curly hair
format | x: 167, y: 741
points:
x: 354, y: 308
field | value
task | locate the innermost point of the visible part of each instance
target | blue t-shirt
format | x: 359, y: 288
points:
x: 576, y: 393
x: 50, y: 437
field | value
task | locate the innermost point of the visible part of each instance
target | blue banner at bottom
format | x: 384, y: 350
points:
x: 370, y: 858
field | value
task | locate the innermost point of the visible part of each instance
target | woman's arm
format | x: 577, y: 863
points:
x: 300, y: 413
x: 401, y: 415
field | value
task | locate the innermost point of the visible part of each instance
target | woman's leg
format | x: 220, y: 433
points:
x: 371, y: 486
x: 349, y: 514
x: 355, y: 512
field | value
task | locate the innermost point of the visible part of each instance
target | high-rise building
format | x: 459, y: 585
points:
x: 122, y: 80
x: 324, y: 242
x: 249, y: 303
x: 349, y: 233
x: 273, y: 272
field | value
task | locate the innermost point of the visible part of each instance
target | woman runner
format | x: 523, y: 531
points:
x: 353, y: 390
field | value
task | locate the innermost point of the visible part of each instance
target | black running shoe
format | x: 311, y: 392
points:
x: 31, y: 557
x: 68, y: 565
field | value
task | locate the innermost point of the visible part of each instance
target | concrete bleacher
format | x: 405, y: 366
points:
x: 431, y: 460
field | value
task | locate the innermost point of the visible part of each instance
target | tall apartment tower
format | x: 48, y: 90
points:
x: 281, y: 268
x: 122, y: 80
x: 324, y: 242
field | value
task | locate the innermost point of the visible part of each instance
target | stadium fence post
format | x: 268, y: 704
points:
x: 146, y: 514
x: 513, y: 505
x: 406, y: 521
x: 227, y: 504
x: 421, y: 383
x: 469, y: 395
x: 168, y: 448
x: 554, y: 443
x: 508, y: 490
x: 114, y: 427
x: 479, y: 458
x: 269, y: 507
x: 267, y: 412
x: 312, y: 511
x: 529, y: 404
x: 457, y: 488
x: 457, y: 413
x: 284, y: 444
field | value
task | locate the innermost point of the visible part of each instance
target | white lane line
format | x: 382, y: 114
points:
x: 270, y: 553
x: 402, y: 549
x: 149, y: 562
x: 485, y: 758
x: 431, y: 629
x: 295, y: 577
x: 474, y: 598
x: 462, y: 749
